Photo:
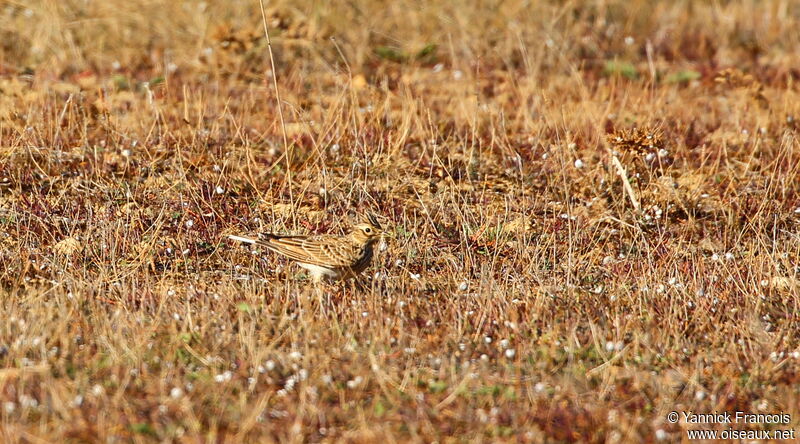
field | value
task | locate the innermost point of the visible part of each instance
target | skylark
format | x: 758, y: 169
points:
x: 326, y: 256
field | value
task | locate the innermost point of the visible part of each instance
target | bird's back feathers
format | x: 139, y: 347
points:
x: 325, y: 251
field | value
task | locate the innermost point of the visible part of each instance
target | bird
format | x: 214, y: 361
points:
x: 326, y: 257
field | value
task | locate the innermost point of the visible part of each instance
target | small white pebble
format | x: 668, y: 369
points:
x: 28, y: 402
x: 355, y: 382
x: 510, y: 353
x: 578, y: 163
x: 189, y: 223
x: 223, y: 377
x: 9, y: 407
x: 219, y: 190
x: 463, y: 286
x: 176, y: 392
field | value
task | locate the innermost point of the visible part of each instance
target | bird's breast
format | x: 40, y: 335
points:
x: 363, y: 261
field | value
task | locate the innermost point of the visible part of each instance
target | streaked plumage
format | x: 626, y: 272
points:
x: 326, y: 256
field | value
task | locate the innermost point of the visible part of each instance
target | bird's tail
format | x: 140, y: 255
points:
x: 246, y: 240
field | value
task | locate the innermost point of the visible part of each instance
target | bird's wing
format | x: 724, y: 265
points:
x: 324, y: 251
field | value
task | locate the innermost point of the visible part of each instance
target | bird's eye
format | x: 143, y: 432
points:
x: 368, y: 230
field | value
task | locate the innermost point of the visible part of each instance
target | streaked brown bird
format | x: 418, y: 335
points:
x: 326, y: 256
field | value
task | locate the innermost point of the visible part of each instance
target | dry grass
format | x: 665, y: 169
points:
x: 530, y: 294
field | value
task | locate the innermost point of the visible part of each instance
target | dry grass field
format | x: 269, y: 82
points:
x: 594, y: 208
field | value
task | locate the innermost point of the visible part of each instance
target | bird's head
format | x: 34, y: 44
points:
x: 368, y: 231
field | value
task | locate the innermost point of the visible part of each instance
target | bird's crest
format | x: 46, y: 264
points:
x: 371, y: 219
